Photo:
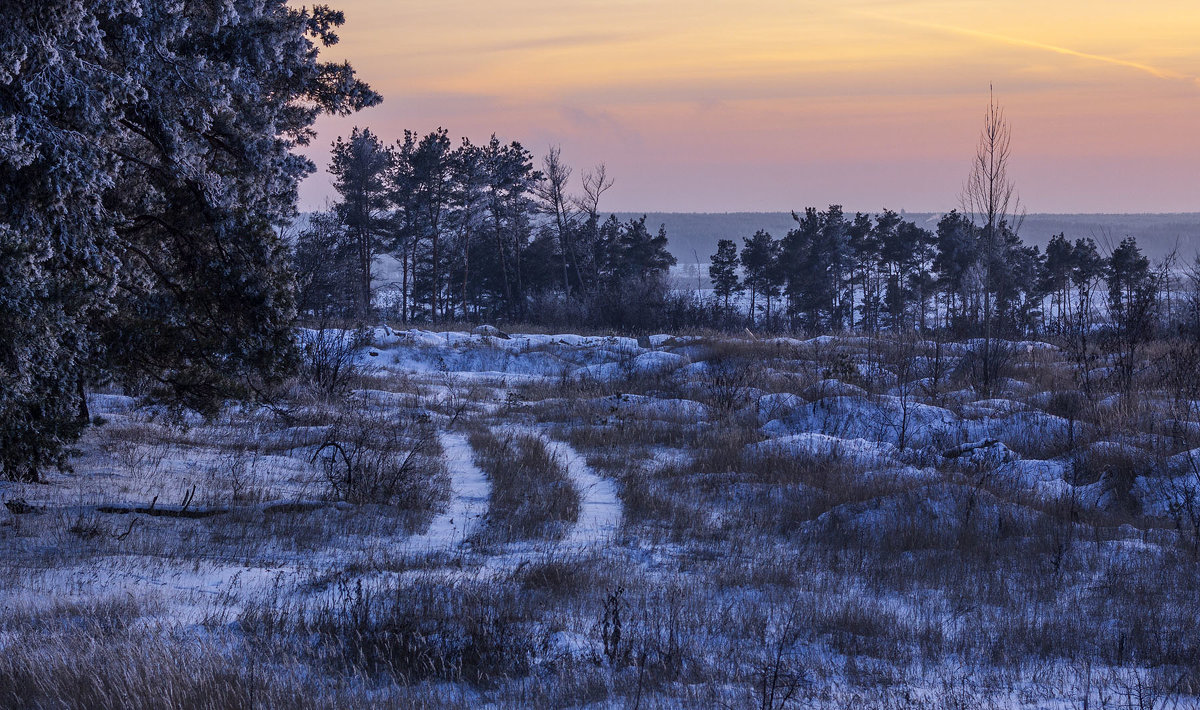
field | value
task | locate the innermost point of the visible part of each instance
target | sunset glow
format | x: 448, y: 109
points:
x: 773, y: 105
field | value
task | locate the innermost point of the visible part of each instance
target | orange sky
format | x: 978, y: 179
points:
x: 714, y: 105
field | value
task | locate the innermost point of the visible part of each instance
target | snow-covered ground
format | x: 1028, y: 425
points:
x: 855, y: 520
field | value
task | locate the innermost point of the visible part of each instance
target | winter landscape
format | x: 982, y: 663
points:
x: 461, y: 433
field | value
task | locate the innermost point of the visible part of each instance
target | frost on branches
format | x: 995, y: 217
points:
x: 145, y: 161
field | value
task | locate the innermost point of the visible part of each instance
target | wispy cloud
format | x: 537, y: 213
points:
x: 1033, y: 44
x: 596, y: 119
x: 568, y: 41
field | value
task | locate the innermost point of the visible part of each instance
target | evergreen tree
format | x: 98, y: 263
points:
x: 468, y: 210
x: 1087, y: 268
x: 723, y: 271
x: 1130, y: 283
x: 760, y: 264
x: 863, y: 251
x: 900, y: 254
x: 881, y: 273
x: 423, y: 190
x: 510, y: 179
x: 146, y: 162
x: 325, y: 268
x: 955, y: 261
x: 359, y: 167
x: 1132, y: 301
x: 809, y: 268
x: 1057, y: 276
x: 832, y: 247
x: 633, y: 286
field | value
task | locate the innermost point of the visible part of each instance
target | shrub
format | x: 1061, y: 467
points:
x: 427, y: 629
x: 328, y: 355
x: 372, y: 458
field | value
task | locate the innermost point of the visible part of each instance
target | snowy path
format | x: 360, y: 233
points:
x: 599, y: 507
x: 469, y: 494
x: 598, y: 522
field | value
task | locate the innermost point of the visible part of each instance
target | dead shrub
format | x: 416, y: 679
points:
x: 372, y: 458
x: 1116, y: 468
x: 328, y: 355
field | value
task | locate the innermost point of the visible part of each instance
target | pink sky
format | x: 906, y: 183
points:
x: 774, y: 105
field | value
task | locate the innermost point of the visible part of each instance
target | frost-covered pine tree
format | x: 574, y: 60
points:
x: 145, y: 162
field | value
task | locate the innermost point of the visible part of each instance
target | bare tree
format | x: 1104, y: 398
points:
x: 596, y: 182
x: 990, y: 198
x: 554, y: 202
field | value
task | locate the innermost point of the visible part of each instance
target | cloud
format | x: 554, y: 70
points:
x: 593, y: 120
x: 557, y: 42
x: 1033, y: 44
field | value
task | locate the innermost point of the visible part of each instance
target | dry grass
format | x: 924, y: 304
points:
x: 532, y: 496
x: 743, y: 576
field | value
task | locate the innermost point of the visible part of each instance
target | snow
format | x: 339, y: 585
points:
x: 599, y: 508
x: 833, y: 388
x: 646, y: 363
x: 646, y: 407
x: 860, y: 451
x: 959, y: 451
x: 470, y: 491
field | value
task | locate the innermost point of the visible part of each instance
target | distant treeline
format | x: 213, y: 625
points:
x: 477, y: 232
x: 694, y: 235
x: 834, y: 272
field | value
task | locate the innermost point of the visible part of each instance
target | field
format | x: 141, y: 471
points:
x: 448, y: 519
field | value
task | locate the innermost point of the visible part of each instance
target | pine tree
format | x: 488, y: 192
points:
x: 359, y: 167
x: 957, y: 256
x: 1132, y: 301
x: 1057, y: 276
x: 325, y: 267
x: 1087, y: 267
x: 509, y: 184
x: 723, y: 271
x: 1129, y: 282
x: 760, y: 263
x: 146, y: 163
x: 468, y: 209
x: 863, y: 251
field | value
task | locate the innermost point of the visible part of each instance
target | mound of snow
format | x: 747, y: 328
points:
x: 110, y: 403
x: 832, y: 388
x: 653, y: 407
x: 992, y: 408
x: 778, y: 405
x: 822, y: 445
x: 988, y: 452
x: 647, y: 363
x: 883, y: 418
x: 490, y: 331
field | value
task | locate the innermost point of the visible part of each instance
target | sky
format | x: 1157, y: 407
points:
x: 773, y: 105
